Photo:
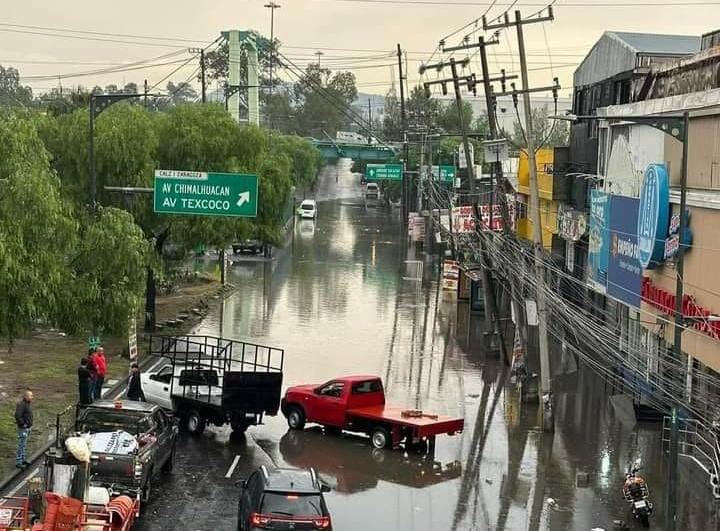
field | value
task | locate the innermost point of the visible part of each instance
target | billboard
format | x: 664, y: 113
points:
x: 599, y: 240
x: 624, y: 272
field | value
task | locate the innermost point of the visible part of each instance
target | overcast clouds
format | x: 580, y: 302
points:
x: 315, y: 24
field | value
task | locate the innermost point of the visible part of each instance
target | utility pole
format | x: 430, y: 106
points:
x: 403, y: 119
x: 671, y: 523
x: 272, y: 6
x: 421, y: 170
x: 319, y: 55
x: 201, y: 53
x: 370, y: 121
x: 492, y: 317
x: 145, y: 93
x: 545, y: 389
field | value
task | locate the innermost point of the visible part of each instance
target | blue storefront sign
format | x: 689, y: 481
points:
x: 598, y: 243
x: 624, y: 269
x: 653, y: 216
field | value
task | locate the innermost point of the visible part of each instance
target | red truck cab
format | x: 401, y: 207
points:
x: 357, y: 404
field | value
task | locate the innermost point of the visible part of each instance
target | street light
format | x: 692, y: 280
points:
x: 98, y: 103
x: 272, y: 6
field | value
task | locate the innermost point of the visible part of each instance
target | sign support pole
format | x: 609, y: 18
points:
x: 677, y: 341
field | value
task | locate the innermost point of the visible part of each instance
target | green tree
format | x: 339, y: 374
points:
x: 306, y: 159
x: 449, y: 120
x: 323, y: 100
x: 12, y: 93
x: 35, y: 228
x: 546, y: 131
x: 183, y: 92
x: 109, y: 265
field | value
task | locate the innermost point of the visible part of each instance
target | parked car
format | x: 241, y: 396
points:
x: 372, y: 191
x: 283, y: 498
x: 137, y: 439
x: 210, y: 379
x: 308, y: 209
x: 357, y: 404
x: 247, y: 246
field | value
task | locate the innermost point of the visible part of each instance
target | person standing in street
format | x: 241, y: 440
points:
x: 24, y: 422
x: 135, y: 391
x: 92, y: 367
x: 101, y: 365
x: 84, y: 383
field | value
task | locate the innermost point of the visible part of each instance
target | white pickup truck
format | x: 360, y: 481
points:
x: 212, y: 380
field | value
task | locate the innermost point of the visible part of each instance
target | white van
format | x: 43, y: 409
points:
x: 308, y: 209
x: 372, y: 191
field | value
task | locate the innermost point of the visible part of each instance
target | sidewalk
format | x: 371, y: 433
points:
x: 47, y: 363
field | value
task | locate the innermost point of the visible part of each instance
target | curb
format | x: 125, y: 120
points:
x: 16, y: 476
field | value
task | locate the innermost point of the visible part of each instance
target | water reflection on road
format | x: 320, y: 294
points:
x: 336, y: 299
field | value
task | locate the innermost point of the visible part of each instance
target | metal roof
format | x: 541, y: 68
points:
x: 654, y: 43
x: 616, y: 52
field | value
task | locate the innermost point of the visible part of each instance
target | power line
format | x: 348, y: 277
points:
x: 103, y: 33
x: 459, y: 3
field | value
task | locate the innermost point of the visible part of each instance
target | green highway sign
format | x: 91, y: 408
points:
x: 93, y: 341
x: 384, y: 172
x: 206, y: 194
x: 445, y: 174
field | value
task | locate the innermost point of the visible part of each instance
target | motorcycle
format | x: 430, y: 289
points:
x: 637, y: 494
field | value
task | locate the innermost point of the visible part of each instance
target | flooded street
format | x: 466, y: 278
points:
x: 338, y: 300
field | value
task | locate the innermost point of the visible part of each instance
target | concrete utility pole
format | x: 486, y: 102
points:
x: 492, y: 317
x: 403, y: 118
x: 272, y: 6
x: 671, y: 522
x: 370, y: 125
x: 492, y: 123
x: 545, y: 389
x: 201, y: 53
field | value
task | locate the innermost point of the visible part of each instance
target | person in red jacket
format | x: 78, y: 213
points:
x: 101, y: 368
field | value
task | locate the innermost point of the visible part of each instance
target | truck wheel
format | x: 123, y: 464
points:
x: 195, y: 423
x: 296, y: 418
x: 169, y: 464
x: 380, y: 438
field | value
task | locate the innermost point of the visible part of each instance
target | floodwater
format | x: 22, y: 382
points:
x: 339, y: 300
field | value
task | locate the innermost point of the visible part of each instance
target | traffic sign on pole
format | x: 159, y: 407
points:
x: 206, y: 194
x: 445, y: 174
x: 384, y: 172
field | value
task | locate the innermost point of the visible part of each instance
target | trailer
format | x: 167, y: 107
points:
x: 357, y: 404
x: 206, y: 379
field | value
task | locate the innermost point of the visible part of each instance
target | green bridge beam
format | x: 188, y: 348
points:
x: 334, y: 150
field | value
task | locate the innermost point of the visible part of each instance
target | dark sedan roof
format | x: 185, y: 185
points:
x: 292, y: 480
x: 130, y: 405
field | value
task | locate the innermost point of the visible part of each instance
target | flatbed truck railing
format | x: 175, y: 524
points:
x: 216, y: 369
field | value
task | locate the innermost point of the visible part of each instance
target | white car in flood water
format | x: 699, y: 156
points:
x: 308, y: 209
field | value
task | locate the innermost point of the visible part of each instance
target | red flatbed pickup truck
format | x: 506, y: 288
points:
x: 357, y: 404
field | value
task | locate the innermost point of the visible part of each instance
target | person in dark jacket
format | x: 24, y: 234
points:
x: 135, y: 391
x: 92, y: 366
x: 24, y: 422
x: 84, y: 383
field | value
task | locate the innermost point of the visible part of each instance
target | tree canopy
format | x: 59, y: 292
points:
x: 546, y: 131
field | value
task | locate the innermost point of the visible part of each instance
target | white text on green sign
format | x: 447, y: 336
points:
x: 384, y: 172
x: 206, y: 194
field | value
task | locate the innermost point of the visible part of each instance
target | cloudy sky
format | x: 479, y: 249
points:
x: 48, y: 40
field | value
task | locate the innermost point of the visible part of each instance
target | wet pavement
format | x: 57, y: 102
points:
x: 339, y: 300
